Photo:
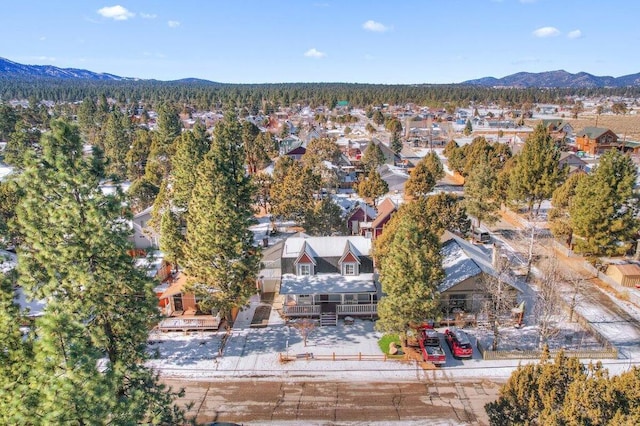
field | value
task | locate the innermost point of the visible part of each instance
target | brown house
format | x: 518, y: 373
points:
x: 597, y: 140
x: 373, y: 229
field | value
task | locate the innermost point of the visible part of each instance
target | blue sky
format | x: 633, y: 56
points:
x: 262, y: 41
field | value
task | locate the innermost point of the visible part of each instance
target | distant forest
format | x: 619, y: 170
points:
x: 205, y: 95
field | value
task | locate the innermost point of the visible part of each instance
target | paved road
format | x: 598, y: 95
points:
x: 430, y: 401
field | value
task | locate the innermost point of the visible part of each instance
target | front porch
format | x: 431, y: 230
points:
x: 189, y: 322
x: 341, y: 304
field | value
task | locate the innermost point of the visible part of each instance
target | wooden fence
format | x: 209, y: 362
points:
x: 605, y: 353
x: 336, y: 357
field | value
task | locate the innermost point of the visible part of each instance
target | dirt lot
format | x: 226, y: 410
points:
x: 622, y: 125
x: 434, y: 402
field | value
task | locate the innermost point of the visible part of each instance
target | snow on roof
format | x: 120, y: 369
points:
x: 326, y: 246
x: 457, y: 265
x: 327, y: 284
x: 151, y: 264
x: 8, y: 261
x: 462, y: 260
x: 5, y: 171
x: 31, y: 308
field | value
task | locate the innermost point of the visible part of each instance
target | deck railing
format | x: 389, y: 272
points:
x: 364, y: 309
x: 301, y: 310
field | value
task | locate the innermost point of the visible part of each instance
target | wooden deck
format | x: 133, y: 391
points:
x: 189, y: 323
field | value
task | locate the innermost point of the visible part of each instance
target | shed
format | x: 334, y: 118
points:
x: 626, y: 274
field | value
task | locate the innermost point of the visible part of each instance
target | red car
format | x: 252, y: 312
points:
x: 430, y: 346
x: 459, y: 343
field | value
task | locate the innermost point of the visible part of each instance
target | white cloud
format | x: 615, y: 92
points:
x: 375, y: 26
x: 173, y: 24
x: 148, y: 15
x: 314, y: 53
x: 117, y: 13
x: 546, y: 32
x: 575, y: 34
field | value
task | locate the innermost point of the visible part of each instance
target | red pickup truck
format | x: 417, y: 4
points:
x: 430, y: 346
x: 459, y: 343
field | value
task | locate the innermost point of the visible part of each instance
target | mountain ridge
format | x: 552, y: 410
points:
x: 546, y: 79
x: 556, y: 79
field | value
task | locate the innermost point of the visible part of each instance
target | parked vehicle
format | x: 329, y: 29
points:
x: 430, y: 346
x: 459, y: 343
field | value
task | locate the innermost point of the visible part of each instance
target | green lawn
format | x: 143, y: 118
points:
x: 386, y: 340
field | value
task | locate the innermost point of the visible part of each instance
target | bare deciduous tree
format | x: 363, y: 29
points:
x: 305, y: 327
x: 548, y: 305
x: 499, y: 295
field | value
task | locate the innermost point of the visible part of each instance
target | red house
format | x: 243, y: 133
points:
x: 386, y: 209
x: 362, y: 213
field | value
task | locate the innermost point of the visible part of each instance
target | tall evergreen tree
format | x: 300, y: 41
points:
x: 604, y: 210
x: 325, y: 219
x: 372, y: 157
x: 424, y: 176
x: 480, y: 195
x: 99, y: 306
x: 536, y: 173
x: 410, y: 272
x: 190, y: 150
x: 116, y: 142
x: 220, y: 255
x: 138, y: 153
x: 372, y: 186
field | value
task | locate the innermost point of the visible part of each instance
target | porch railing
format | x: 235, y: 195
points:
x: 364, y: 309
x: 302, y: 310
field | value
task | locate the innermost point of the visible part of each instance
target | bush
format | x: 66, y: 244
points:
x: 386, y: 341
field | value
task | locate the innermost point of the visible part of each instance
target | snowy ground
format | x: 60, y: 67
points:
x: 255, y: 353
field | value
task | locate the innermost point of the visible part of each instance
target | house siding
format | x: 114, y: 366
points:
x: 327, y: 265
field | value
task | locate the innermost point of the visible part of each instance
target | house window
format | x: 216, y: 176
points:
x: 304, y: 299
x: 304, y: 269
x: 349, y: 269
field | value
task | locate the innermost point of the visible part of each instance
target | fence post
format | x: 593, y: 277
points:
x: 334, y: 356
x: 359, y: 356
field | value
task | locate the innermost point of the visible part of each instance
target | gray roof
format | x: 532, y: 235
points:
x: 327, y: 284
x: 326, y: 246
x: 462, y: 260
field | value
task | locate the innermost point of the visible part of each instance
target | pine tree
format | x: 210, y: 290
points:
x: 372, y: 186
x: 410, y: 272
x: 190, y: 151
x: 480, y: 193
x: 21, y: 140
x: 220, y: 255
x: 468, y: 128
x: 171, y: 239
x: 603, y: 211
x: 138, y: 153
x: 424, y: 176
x: 16, y: 355
x: 99, y: 306
x: 116, y: 142
x: 325, y: 219
x: 291, y: 193
x: 536, y: 173
x: 372, y: 157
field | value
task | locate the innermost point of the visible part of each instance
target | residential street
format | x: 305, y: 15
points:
x: 618, y: 320
x: 429, y: 401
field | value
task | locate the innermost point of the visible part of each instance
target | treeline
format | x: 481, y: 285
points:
x: 207, y: 95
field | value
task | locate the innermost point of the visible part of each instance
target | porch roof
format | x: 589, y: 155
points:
x: 327, y: 284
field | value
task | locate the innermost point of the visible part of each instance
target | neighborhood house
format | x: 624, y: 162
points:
x: 328, y: 277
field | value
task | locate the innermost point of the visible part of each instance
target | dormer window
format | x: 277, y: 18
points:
x: 304, y: 269
x: 349, y: 269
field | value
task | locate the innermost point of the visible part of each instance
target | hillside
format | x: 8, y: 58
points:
x: 558, y: 78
